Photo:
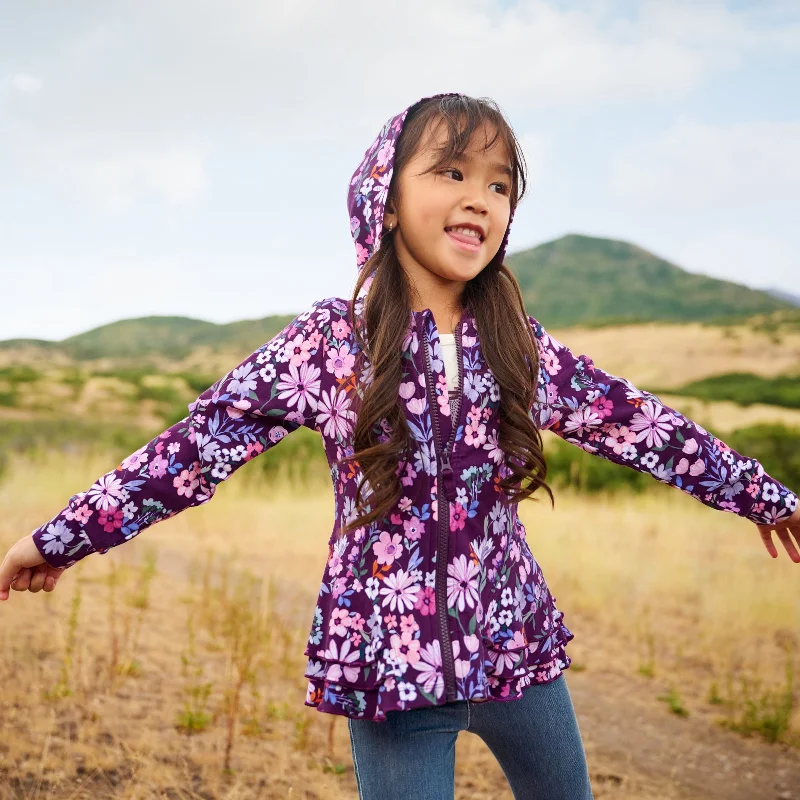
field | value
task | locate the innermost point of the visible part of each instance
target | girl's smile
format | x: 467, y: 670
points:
x: 466, y: 238
x: 450, y: 221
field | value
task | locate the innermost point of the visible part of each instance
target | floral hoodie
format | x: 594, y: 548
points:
x: 442, y: 599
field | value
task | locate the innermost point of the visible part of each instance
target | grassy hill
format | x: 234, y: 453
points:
x: 171, y: 337
x: 574, y: 280
x: 584, y: 280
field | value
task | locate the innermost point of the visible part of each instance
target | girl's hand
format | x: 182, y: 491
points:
x: 24, y: 568
x: 786, y: 530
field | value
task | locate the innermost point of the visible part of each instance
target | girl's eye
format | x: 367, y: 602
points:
x: 503, y: 186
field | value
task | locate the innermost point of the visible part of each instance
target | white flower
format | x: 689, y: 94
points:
x: 58, y: 534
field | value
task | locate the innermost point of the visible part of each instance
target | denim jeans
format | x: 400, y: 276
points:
x: 535, y: 740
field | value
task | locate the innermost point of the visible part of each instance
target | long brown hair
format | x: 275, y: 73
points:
x: 382, y: 439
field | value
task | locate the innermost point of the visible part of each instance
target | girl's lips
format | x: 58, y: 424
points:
x: 469, y: 243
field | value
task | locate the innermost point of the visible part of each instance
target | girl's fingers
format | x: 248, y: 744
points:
x: 766, y: 537
x: 37, y: 579
x: 23, y: 580
x: 51, y: 579
x: 788, y: 544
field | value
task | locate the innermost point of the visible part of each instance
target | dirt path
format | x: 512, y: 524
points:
x: 633, y: 741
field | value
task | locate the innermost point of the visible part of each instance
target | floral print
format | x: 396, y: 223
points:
x: 609, y: 417
x: 375, y: 642
x: 441, y: 599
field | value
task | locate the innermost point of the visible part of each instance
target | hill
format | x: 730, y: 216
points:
x: 165, y: 337
x: 590, y: 281
x: 574, y: 280
x: 787, y: 296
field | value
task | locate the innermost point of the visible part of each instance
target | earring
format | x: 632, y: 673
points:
x: 389, y: 227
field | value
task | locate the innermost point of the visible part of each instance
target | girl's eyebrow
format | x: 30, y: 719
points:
x: 505, y: 169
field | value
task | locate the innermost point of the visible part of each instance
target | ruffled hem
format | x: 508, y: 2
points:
x: 366, y: 692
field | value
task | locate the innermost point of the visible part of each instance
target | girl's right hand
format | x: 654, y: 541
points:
x: 24, y: 568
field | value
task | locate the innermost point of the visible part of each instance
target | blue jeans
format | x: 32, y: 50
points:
x: 535, y: 740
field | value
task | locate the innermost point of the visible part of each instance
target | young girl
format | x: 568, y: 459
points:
x: 429, y: 387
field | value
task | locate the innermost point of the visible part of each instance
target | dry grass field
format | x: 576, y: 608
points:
x: 172, y: 667
x: 658, y: 354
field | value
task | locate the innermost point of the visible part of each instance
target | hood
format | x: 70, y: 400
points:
x: 369, y: 188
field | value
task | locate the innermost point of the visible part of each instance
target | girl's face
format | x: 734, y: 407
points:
x: 474, y: 191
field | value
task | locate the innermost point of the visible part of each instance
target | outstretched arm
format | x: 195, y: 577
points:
x: 609, y: 417
x: 250, y: 409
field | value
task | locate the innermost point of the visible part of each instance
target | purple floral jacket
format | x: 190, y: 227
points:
x: 442, y: 599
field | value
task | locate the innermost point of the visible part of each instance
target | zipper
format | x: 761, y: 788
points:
x: 446, y: 493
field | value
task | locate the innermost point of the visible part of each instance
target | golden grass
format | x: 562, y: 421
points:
x: 103, y: 677
x: 662, y: 355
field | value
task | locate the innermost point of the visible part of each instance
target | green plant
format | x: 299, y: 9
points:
x: 714, y: 697
x: 673, y: 700
x: 194, y: 717
x: 766, y: 713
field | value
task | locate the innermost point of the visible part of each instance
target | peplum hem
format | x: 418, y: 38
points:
x: 365, y: 691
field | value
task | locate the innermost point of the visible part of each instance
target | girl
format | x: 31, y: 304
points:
x: 430, y: 388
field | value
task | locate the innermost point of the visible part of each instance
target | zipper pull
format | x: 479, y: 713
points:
x: 448, y: 478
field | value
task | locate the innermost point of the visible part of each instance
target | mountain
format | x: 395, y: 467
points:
x: 170, y: 337
x: 584, y: 280
x: 785, y: 296
x: 574, y: 280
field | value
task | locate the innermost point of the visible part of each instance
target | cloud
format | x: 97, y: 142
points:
x: 175, y: 174
x: 27, y: 84
x: 145, y: 78
x: 696, y: 167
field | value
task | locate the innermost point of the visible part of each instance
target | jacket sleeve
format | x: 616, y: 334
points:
x: 271, y: 393
x: 609, y: 417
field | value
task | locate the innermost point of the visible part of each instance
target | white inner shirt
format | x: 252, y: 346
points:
x: 450, y: 358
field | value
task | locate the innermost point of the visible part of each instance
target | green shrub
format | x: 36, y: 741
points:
x: 10, y: 378
x: 19, y: 373
x: 743, y: 388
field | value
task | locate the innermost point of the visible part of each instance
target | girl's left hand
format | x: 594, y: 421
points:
x: 786, y: 529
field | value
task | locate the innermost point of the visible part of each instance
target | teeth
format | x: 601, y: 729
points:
x: 466, y: 232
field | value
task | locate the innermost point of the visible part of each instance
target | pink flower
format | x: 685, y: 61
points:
x: 407, y: 389
x: 340, y: 361
x: 135, y: 460
x: 408, y: 623
x: 388, y: 548
x: 405, y: 647
x: 253, y: 449
x: 111, y: 520
x: 410, y: 475
x: 458, y: 517
x: 82, y: 514
x: 186, y: 482
x: 550, y: 362
x: 413, y: 528
x: 426, y: 602
x: 603, y: 406
x: 298, y: 350
x: 340, y: 329
x: 158, y: 466
x: 475, y: 435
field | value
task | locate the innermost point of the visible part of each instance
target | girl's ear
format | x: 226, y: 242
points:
x: 389, y: 218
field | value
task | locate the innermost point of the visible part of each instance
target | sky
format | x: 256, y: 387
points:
x: 192, y: 158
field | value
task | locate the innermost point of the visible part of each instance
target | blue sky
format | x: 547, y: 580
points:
x: 193, y: 158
